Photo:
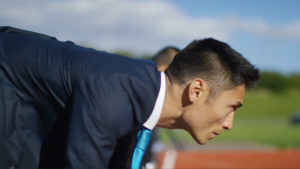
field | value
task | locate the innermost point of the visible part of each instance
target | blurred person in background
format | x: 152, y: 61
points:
x: 105, y: 99
x: 164, y: 57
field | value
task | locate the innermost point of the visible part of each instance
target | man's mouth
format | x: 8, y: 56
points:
x: 217, y: 133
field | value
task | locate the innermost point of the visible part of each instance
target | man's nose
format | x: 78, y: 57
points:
x: 228, y: 123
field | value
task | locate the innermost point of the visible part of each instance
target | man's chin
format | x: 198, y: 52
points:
x: 201, y: 142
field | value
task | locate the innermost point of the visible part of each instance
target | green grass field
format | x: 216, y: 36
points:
x: 264, y: 118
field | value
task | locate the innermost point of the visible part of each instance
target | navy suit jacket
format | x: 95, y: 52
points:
x: 62, y: 100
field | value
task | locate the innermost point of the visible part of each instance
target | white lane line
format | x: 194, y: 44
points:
x: 169, y: 159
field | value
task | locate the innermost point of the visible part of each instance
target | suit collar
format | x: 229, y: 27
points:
x: 154, y: 117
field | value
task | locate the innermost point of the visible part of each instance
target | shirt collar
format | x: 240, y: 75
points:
x: 154, y: 117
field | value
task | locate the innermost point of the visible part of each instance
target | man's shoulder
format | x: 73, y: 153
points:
x: 17, y: 31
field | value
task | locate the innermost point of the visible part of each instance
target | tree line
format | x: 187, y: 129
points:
x: 277, y: 82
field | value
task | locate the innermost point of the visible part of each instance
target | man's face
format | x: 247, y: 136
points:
x: 207, y: 119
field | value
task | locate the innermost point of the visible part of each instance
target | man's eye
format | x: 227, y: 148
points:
x: 234, y: 108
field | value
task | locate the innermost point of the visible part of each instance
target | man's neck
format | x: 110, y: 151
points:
x: 172, y: 108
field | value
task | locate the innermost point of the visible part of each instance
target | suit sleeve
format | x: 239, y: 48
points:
x: 99, y: 116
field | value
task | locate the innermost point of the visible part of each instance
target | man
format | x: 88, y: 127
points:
x: 104, y: 98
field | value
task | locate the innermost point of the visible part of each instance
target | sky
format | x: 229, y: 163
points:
x: 266, y: 32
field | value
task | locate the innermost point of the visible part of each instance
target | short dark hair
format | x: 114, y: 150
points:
x: 165, y: 55
x: 215, y: 62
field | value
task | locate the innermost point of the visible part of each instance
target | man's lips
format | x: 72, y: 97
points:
x: 217, y: 133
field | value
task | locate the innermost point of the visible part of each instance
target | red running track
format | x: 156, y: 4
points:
x: 270, y: 159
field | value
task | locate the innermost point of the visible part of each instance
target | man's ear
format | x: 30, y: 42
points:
x: 196, y: 89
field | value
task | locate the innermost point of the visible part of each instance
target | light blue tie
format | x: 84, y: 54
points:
x: 143, y: 137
